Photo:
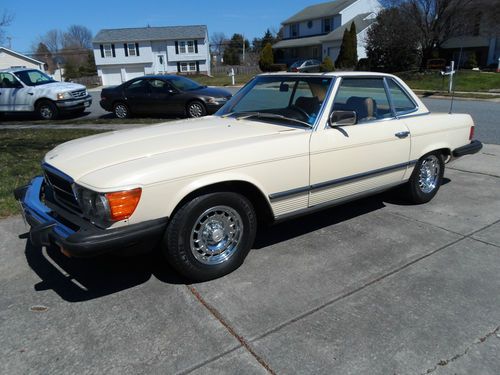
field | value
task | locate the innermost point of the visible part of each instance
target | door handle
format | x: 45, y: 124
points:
x: 30, y: 93
x: 402, y: 135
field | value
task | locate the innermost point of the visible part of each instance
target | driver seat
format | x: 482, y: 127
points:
x: 308, y: 104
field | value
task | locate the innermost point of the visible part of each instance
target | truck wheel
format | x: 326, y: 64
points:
x: 210, y: 236
x: 426, y: 178
x: 196, y: 109
x: 121, y: 110
x: 46, y: 110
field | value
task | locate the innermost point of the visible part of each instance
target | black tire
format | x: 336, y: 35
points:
x: 47, y: 110
x: 204, y: 221
x: 426, y: 178
x: 121, y: 110
x: 196, y: 109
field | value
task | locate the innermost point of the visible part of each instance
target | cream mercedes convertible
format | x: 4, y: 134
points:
x: 284, y: 145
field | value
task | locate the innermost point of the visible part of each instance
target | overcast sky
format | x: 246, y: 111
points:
x: 252, y: 18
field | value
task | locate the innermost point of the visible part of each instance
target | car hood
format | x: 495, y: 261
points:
x: 101, y: 160
x: 62, y: 86
x: 212, y: 91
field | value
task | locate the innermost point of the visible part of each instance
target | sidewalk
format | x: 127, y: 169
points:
x: 372, y: 287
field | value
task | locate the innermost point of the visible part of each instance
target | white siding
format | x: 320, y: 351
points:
x: 359, y: 7
x: 145, y: 54
x: 8, y: 60
x: 362, y: 38
x: 315, y: 29
x: 201, y: 55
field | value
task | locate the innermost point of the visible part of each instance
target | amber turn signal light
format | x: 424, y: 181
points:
x: 122, y: 204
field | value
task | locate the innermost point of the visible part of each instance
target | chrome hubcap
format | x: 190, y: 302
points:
x: 195, y: 110
x: 429, y: 174
x: 216, y: 234
x: 120, y: 111
x: 46, y: 112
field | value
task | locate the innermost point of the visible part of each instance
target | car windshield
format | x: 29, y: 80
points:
x: 296, y: 64
x: 184, y: 84
x: 33, y: 77
x: 279, y: 99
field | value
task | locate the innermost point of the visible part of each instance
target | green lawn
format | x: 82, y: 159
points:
x: 463, y: 81
x: 222, y: 79
x: 21, y: 152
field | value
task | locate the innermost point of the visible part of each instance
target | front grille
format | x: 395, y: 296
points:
x: 79, y: 94
x: 62, y: 190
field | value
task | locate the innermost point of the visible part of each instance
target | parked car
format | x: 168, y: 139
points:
x: 163, y: 94
x: 285, y: 145
x: 30, y: 90
x: 305, y: 66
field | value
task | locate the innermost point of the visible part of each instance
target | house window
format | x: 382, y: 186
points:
x: 187, y: 46
x: 327, y: 25
x: 131, y: 49
x: 188, y: 67
x: 107, y: 50
x: 294, y: 30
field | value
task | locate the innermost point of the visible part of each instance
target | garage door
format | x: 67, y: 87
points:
x: 134, y: 72
x: 111, y: 76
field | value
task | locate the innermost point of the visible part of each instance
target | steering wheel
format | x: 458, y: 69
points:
x: 300, y: 110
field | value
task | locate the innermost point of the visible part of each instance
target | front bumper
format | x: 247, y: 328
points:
x: 76, y: 236
x: 469, y: 149
x: 74, y: 104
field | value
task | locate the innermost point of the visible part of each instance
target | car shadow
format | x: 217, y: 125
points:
x: 77, y: 279
x: 32, y: 117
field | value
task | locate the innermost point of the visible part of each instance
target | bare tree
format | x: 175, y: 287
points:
x: 77, y: 36
x: 52, y: 39
x: 5, y: 20
x: 217, y: 41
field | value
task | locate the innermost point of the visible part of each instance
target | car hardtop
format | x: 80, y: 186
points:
x: 359, y: 74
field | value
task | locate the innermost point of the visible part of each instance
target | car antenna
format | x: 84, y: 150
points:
x: 454, y: 84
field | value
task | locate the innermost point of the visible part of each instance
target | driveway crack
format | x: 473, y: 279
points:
x: 217, y: 315
x: 446, y: 362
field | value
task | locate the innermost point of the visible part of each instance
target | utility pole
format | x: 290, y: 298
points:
x: 243, y: 47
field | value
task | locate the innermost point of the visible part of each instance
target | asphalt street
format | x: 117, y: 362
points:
x: 372, y: 287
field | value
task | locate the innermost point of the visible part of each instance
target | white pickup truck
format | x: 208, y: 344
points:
x: 30, y: 90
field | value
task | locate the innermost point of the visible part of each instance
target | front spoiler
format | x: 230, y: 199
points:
x: 80, y: 239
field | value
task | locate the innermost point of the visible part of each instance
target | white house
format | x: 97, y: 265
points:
x: 12, y: 59
x: 316, y: 31
x: 122, y: 54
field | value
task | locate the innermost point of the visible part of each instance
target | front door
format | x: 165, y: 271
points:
x: 13, y: 95
x: 351, y: 160
x: 137, y: 95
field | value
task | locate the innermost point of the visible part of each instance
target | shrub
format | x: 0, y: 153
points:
x: 266, y: 58
x: 327, y: 65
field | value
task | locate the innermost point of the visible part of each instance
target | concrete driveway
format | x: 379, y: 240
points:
x: 371, y: 287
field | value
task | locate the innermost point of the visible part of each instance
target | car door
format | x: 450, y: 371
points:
x: 13, y: 95
x: 347, y: 161
x: 162, y: 96
x: 137, y: 95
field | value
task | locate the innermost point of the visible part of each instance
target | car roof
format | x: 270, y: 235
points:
x: 330, y: 74
x: 13, y: 70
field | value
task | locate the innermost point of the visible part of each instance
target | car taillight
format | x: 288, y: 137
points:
x: 471, y: 134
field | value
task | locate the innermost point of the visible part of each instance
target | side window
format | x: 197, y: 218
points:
x: 7, y: 81
x: 158, y: 86
x: 137, y: 87
x: 365, y: 96
x: 401, y: 100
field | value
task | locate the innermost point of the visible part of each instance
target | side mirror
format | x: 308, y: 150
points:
x: 284, y: 87
x: 342, y: 118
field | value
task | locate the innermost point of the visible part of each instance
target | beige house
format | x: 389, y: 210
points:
x: 13, y: 59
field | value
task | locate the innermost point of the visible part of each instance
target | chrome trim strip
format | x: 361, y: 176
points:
x: 339, y: 181
x: 333, y: 203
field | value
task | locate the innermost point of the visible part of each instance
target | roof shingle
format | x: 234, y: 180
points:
x: 150, y: 33
x: 322, y: 10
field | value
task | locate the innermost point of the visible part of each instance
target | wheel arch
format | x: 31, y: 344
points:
x: 248, y: 189
x: 442, y: 148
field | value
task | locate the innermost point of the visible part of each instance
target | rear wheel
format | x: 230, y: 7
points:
x: 121, y: 110
x: 426, y: 178
x: 210, y: 236
x: 196, y: 109
x: 46, y: 110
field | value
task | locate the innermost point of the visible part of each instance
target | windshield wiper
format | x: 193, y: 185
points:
x: 264, y: 115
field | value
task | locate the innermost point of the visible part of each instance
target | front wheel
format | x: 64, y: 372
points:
x: 46, y: 110
x: 426, y: 178
x: 196, y: 109
x: 210, y: 236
